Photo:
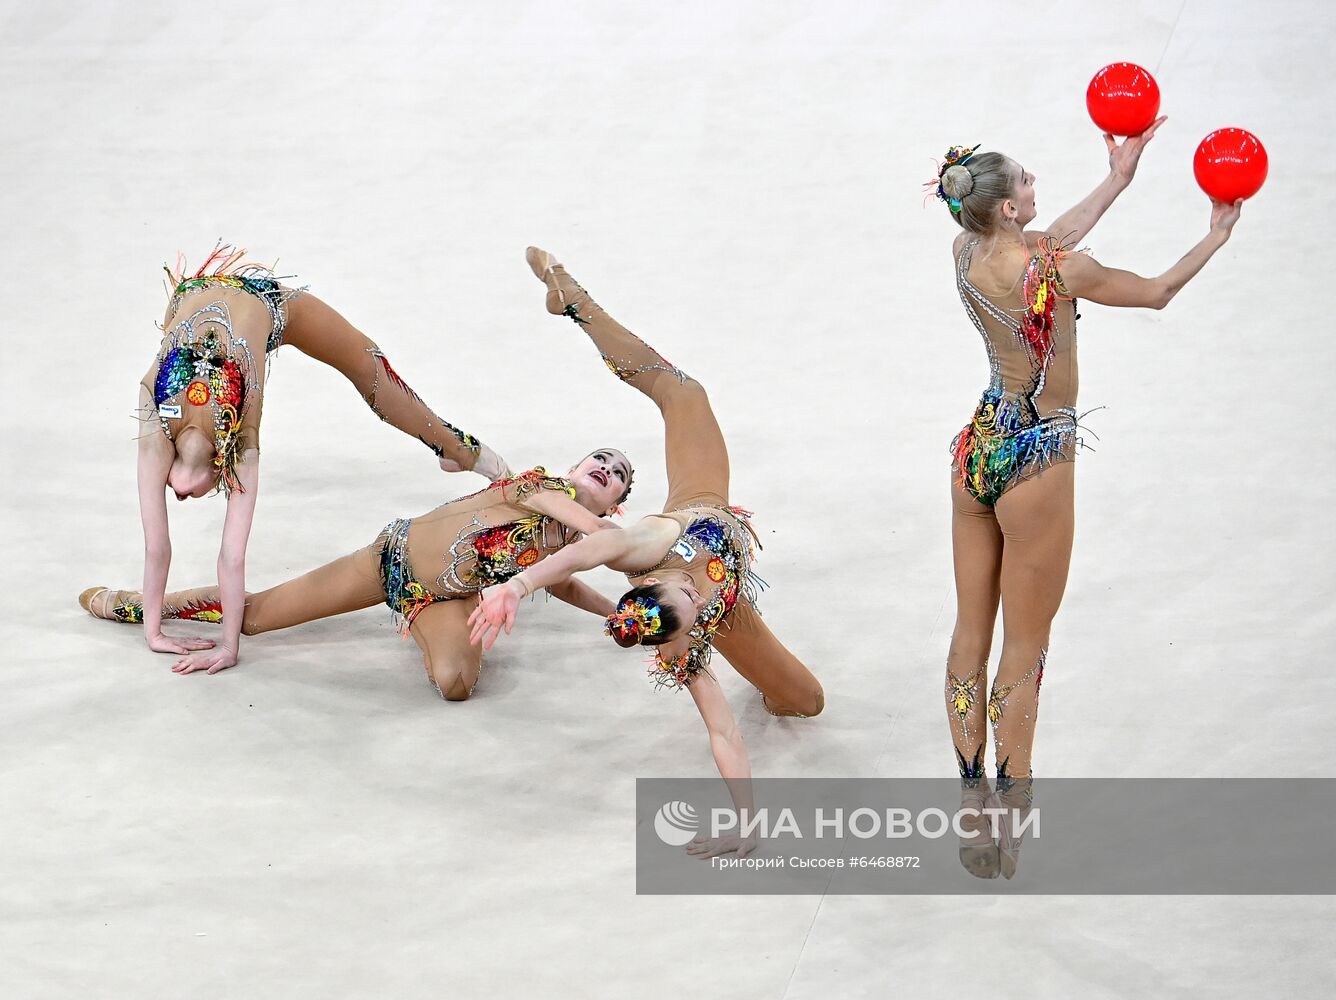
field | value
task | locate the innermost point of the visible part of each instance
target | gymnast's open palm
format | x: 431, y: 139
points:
x: 495, y: 611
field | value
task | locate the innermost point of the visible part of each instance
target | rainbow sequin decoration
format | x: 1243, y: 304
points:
x: 227, y: 267
x: 1043, y: 290
x: 635, y: 617
x: 483, y: 555
x: 734, y: 554
x: 405, y: 596
x: 1005, y: 442
x: 504, y: 550
x: 202, y: 351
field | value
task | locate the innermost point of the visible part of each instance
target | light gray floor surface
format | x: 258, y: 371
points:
x: 740, y: 184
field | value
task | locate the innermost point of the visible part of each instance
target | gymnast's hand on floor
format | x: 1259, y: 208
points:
x: 495, y: 611
x: 212, y: 661
x: 708, y: 847
x: 172, y: 644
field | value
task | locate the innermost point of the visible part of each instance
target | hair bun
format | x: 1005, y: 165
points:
x: 957, y: 181
x: 626, y: 635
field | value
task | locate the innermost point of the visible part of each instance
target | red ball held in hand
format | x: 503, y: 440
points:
x: 1123, y: 99
x: 1230, y: 164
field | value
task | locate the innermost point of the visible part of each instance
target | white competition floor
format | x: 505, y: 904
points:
x: 739, y: 183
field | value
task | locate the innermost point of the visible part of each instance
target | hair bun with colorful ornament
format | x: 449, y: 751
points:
x: 953, y: 182
x: 632, y: 622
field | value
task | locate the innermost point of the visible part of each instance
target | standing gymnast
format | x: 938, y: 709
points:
x: 1012, y: 470
x: 690, y: 567
x: 200, y: 406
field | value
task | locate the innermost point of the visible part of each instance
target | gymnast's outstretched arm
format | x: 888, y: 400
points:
x: 580, y: 595
x: 560, y: 507
x: 642, y: 544
x: 1085, y: 278
x: 1073, y: 225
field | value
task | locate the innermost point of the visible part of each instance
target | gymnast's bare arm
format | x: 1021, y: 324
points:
x: 1073, y: 225
x: 155, y: 458
x: 642, y: 544
x: 730, y: 756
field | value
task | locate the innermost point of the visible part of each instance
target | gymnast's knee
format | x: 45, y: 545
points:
x: 971, y: 644
x: 451, y: 684
x: 806, y: 704
x: 815, y: 700
x: 667, y: 390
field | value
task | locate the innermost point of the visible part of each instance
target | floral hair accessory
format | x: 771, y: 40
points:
x: 634, y: 619
x: 956, y: 156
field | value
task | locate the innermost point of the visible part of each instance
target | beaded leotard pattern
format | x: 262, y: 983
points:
x: 202, y: 356
x: 724, y: 545
x: 226, y: 267
x: 1008, y: 440
x: 480, y: 556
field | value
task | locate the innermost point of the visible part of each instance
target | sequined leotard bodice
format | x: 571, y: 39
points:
x: 715, y: 550
x: 1026, y: 419
x: 206, y: 374
x: 471, y: 543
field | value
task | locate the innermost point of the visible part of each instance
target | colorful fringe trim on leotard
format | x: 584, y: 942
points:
x: 405, y: 596
x: 729, y: 566
x: 227, y: 266
x: 1043, y: 290
x: 482, y: 555
x: 1005, y: 443
x: 1007, y: 440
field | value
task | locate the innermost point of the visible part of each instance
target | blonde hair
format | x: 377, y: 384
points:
x: 980, y: 184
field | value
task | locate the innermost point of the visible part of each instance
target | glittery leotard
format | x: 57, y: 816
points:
x: 715, y: 549
x: 1025, y: 420
x: 486, y: 538
x: 203, y: 364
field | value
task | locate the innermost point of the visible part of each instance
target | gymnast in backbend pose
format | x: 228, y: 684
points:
x: 689, y: 567
x: 1013, y: 469
x: 200, y: 406
x: 426, y: 568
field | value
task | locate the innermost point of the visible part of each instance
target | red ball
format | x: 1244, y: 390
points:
x: 1123, y: 99
x: 1230, y: 164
